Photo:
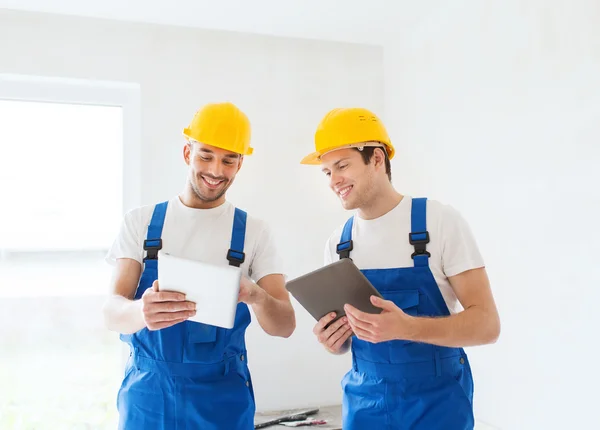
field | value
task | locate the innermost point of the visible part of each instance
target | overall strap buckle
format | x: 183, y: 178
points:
x: 152, y: 246
x: 235, y: 258
x: 419, y: 240
x: 343, y: 249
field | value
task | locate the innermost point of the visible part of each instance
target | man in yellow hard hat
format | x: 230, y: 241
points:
x: 183, y: 374
x: 409, y: 369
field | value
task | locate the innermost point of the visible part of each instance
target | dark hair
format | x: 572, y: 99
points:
x: 367, y: 154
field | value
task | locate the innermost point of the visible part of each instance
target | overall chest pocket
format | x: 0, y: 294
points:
x: 203, y: 344
x: 407, y: 300
x: 406, y: 351
x: 201, y: 333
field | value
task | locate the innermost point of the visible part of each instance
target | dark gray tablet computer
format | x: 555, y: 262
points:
x: 329, y: 288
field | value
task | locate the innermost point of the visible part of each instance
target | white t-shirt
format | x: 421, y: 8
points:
x: 382, y: 243
x: 199, y: 234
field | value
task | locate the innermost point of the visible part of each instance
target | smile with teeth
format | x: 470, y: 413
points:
x: 212, y: 183
x: 343, y: 192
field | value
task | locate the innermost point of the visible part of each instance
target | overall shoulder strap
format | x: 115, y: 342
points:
x: 419, y: 236
x: 236, y: 255
x: 345, y: 245
x: 153, y: 242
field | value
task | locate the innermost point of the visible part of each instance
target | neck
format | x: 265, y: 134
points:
x: 381, y: 203
x: 189, y: 198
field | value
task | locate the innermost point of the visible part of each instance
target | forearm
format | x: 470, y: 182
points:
x: 471, y: 327
x: 123, y: 315
x: 276, y: 317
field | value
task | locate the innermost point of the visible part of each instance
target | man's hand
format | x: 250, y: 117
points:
x: 391, y: 324
x: 334, y: 337
x: 163, y: 309
x: 250, y: 293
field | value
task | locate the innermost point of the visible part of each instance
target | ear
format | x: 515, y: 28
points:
x: 241, y: 161
x: 187, y: 153
x: 379, y: 157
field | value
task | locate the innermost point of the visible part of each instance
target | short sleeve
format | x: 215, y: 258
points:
x: 459, y: 248
x: 266, y: 260
x: 128, y: 243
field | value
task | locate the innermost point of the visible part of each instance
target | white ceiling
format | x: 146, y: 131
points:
x: 359, y: 21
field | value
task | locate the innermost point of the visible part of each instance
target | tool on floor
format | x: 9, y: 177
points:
x: 296, y: 416
x: 305, y: 423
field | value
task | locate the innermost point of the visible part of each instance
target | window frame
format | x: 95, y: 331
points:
x: 125, y: 95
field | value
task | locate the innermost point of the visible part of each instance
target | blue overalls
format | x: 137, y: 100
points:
x: 190, y: 375
x: 401, y: 384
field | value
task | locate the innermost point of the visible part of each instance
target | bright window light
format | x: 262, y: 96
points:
x: 61, y: 188
x: 60, y: 175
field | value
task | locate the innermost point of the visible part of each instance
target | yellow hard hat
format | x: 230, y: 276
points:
x: 222, y: 125
x: 346, y: 128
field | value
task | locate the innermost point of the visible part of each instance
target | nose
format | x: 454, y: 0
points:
x: 215, y: 168
x: 335, y: 180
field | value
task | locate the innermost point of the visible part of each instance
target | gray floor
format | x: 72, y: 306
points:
x: 331, y: 414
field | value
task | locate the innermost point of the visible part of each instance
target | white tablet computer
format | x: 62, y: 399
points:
x: 214, y: 289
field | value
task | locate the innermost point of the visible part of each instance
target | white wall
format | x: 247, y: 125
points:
x: 284, y: 85
x: 495, y: 107
x: 333, y: 20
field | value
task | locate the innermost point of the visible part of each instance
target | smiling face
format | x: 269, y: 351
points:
x: 211, y: 171
x: 350, y: 178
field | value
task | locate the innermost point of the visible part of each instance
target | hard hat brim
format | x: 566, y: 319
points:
x: 312, y: 159
x: 315, y: 157
x: 186, y: 133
